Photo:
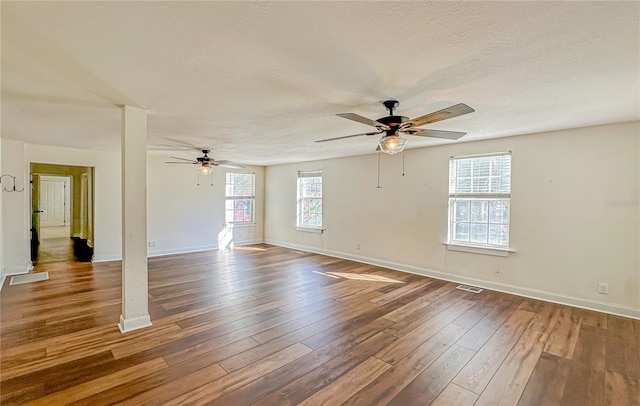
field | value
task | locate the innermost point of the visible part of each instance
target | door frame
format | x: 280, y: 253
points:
x: 38, y: 169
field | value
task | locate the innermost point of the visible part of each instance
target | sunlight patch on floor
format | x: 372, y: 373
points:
x: 249, y: 248
x: 359, y: 276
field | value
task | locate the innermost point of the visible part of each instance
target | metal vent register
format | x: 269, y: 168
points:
x: 468, y: 288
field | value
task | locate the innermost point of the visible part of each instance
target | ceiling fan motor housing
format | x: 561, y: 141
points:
x: 393, y: 122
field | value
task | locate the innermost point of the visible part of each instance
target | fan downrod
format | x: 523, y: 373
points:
x: 391, y: 105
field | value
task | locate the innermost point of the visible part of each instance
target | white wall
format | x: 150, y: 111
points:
x: 182, y: 216
x: 108, y: 207
x: 2, y: 274
x: 574, y: 215
x: 16, y: 213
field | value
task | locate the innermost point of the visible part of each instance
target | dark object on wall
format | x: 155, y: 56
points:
x: 82, y: 250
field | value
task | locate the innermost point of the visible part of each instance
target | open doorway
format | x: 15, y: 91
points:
x: 62, y: 213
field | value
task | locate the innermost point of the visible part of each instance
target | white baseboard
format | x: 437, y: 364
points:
x: 160, y: 253
x: 106, y: 258
x: 615, y: 309
x: 134, y: 323
x: 186, y: 250
x: 248, y: 242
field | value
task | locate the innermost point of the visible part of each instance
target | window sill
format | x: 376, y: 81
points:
x: 310, y: 230
x: 499, y: 252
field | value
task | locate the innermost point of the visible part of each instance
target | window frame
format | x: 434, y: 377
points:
x: 503, y: 195
x: 251, y: 198
x: 300, y: 225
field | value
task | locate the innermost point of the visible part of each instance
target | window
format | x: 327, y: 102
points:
x: 479, y: 197
x: 309, y: 200
x: 241, y: 196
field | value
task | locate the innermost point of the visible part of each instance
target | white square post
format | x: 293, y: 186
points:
x: 135, y: 298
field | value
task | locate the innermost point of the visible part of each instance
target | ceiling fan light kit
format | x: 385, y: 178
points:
x: 206, y: 163
x: 391, y: 143
x: 205, y: 169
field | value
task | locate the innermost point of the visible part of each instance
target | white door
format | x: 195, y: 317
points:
x: 52, y: 202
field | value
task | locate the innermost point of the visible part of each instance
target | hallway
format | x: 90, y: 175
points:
x: 56, y: 245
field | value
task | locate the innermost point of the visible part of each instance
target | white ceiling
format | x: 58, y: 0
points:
x: 258, y: 82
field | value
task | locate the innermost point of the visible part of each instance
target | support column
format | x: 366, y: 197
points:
x: 135, y: 298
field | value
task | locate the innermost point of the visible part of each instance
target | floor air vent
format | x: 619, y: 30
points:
x: 468, y: 288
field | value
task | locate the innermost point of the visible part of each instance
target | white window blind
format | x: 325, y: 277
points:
x: 309, y: 212
x: 479, y: 200
x: 240, y: 197
x: 480, y: 175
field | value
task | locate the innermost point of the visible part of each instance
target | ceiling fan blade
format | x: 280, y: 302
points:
x: 450, y: 135
x: 191, y: 163
x: 363, y: 120
x: 350, y: 136
x: 184, y: 159
x: 449, y: 112
x: 227, y: 164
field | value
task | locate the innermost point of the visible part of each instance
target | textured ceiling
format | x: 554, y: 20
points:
x: 258, y: 82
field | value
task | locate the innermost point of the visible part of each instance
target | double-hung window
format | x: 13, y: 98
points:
x: 240, y: 198
x: 309, y: 200
x: 479, y: 200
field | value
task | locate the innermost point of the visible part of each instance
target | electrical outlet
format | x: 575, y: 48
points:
x: 151, y: 244
x: 603, y: 288
x: 358, y: 246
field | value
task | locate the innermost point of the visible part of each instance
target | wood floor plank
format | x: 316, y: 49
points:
x: 162, y: 394
x: 594, y: 319
x: 268, y: 325
x: 584, y: 386
x: 435, y: 291
x: 400, y: 292
x: 228, y: 383
x: 389, y: 384
x: 453, y: 395
x: 275, y: 380
x: 410, y: 341
x: 591, y: 348
x: 79, y: 351
x: 621, y: 390
x: 427, y: 386
x: 509, y: 381
x: 472, y: 316
x: 303, y: 387
x: 97, y: 385
x: 546, y: 317
x: 478, y: 335
x: 547, y: 382
x: 623, y: 354
x: 299, y: 335
x: 348, y: 384
x: 478, y: 372
x: 564, y: 336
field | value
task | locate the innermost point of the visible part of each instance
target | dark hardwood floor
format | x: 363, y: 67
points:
x: 271, y: 326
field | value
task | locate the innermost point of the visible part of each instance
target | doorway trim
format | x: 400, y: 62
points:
x: 83, y: 229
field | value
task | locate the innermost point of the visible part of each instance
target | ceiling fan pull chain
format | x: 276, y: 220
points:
x: 378, y: 186
x: 402, y: 162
